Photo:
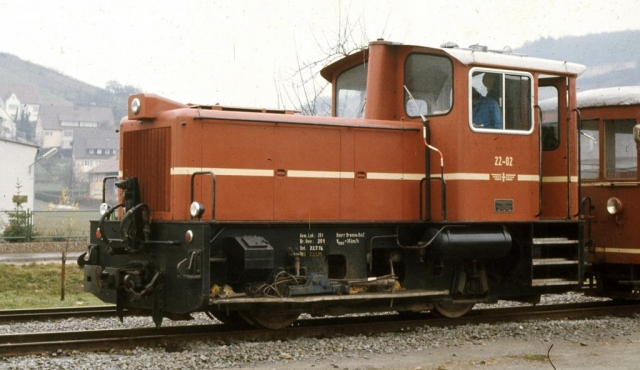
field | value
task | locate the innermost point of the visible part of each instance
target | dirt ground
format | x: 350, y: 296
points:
x: 615, y: 354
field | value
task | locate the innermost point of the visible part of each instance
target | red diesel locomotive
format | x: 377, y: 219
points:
x: 434, y: 185
x: 610, y: 132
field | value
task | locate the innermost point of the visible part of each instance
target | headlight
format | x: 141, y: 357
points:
x: 614, y: 206
x: 135, y: 106
x: 196, y: 210
x: 104, y: 207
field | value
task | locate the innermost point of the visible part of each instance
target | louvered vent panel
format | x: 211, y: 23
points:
x: 147, y: 156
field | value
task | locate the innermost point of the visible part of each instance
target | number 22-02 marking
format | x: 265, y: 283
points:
x: 506, y: 161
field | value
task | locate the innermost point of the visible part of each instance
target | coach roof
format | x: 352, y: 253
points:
x: 624, y: 95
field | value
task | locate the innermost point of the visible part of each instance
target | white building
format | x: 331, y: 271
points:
x: 17, y: 161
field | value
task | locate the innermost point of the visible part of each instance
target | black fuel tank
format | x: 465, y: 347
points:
x: 464, y: 243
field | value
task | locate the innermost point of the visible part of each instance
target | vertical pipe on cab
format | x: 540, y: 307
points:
x: 381, y: 82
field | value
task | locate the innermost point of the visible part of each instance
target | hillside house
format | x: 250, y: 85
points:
x: 22, y: 102
x: 108, y: 168
x: 92, y: 148
x: 58, y: 126
x: 7, y: 126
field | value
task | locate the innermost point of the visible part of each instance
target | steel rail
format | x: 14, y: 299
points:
x: 39, y: 314
x: 177, y: 336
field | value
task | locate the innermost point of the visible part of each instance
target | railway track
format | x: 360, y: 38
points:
x: 174, y: 338
x: 40, y: 314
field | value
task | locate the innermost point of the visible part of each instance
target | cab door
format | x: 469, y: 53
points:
x: 502, y: 150
x: 558, y: 149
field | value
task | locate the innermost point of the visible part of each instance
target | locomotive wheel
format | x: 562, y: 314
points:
x: 228, y: 318
x: 270, y: 319
x: 452, y: 310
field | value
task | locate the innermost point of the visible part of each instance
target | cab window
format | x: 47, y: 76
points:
x: 548, y: 102
x: 500, y: 101
x: 351, y: 87
x: 429, y: 79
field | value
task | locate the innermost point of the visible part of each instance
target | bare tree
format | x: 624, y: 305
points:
x: 120, y: 93
x: 303, y: 87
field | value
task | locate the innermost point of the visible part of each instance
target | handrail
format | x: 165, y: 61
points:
x: 579, y: 125
x: 427, y: 174
x: 443, y: 198
x: 568, y: 104
x: 104, y: 187
x: 539, y: 160
x: 213, y: 196
x: 586, y: 215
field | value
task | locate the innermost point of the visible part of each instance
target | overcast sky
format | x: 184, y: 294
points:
x: 234, y: 52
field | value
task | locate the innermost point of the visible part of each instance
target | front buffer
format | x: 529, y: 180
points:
x: 166, y: 277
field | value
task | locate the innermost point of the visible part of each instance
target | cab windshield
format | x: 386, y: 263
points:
x: 351, y: 87
x: 429, y: 78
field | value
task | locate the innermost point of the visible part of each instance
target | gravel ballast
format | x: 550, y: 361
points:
x: 508, y: 345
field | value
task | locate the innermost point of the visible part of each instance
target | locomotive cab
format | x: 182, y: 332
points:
x: 429, y: 188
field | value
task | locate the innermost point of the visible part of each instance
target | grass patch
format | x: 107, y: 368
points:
x: 530, y: 357
x: 40, y: 285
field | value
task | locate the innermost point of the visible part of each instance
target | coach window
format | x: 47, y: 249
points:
x: 429, y: 80
x: 620, y: 151
x: 500, y: 101
x: 589, y: 150
x: 351, y: 86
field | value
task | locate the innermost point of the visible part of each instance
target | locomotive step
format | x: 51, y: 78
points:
x: 547, y: 282
x: 554, y: 261
x: 550, y: 241
x: 629, y: 282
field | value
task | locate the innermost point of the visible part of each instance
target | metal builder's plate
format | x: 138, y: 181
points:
x: 503, y: 205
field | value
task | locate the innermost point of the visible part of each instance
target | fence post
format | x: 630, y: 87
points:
x: 29, y: 225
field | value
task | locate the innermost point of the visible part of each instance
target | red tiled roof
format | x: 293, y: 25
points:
x: 108, y: 166
x: 27, y: 94
x: 51, y: 116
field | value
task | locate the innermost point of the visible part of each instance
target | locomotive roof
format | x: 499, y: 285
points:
x: 473, y: 56
x: 624, y: 95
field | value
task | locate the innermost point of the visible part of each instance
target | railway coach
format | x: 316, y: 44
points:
x: 610, y: 132
x: 433, y: 185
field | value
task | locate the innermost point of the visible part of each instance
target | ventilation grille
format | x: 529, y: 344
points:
x: 146, y: 155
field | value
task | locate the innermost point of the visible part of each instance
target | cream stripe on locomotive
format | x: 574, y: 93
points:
x: 321, y: 174
x: 528, y: 177
x: 368, y: 175
x: 465, y: 176
x: 395, y: 176
x: 617, y: 250
x: 224, y: 171
x: 574, y: 179
x: 547, y: 179
x: 611, y: 184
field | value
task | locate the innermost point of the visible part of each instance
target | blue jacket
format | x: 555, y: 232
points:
x: 486, y: 113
